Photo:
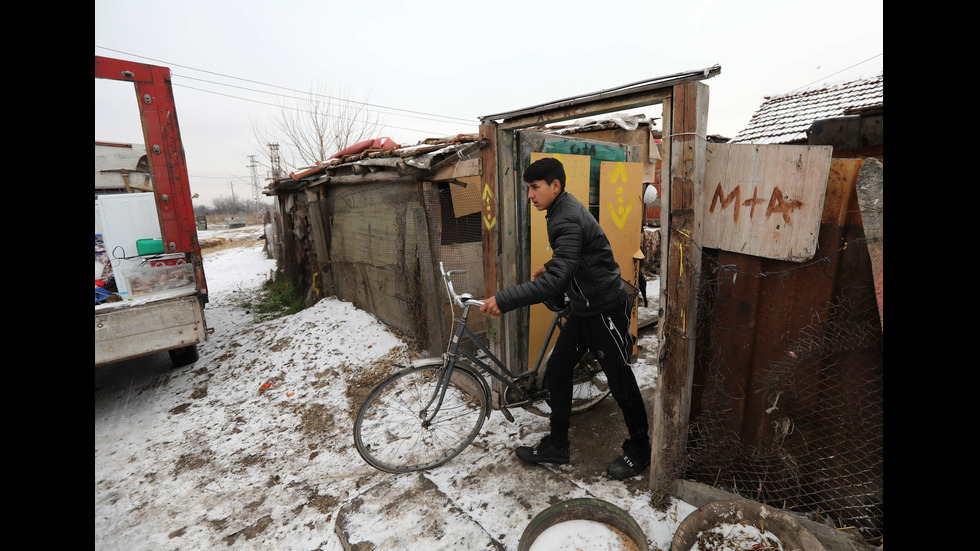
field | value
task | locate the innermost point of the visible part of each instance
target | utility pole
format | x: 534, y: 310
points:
x: 255, y: 181
x: 275, y: 162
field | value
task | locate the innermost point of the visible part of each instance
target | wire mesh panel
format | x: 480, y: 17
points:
x: 460, y: 245
x: 786, y: 394
x: 828, y: 432
x: 787, y: 405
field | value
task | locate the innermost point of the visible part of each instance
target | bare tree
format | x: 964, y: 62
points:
x: 318, y: 125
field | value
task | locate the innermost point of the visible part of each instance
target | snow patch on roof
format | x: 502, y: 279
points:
x: 785, y: 118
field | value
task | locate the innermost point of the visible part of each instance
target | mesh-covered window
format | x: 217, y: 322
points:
x: 461, y: 239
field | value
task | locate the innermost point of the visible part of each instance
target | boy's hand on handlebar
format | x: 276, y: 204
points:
x: 490, y: 307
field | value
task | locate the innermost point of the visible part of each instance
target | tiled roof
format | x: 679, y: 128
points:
x: 786, y: 118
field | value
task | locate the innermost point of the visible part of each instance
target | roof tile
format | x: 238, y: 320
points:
x: 786, y: 118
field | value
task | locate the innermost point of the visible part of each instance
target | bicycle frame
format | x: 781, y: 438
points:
x: 504, y: 375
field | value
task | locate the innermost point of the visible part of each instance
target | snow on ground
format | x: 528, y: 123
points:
x: 250, y: 447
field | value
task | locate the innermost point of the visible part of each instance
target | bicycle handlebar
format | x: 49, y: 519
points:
x: 464, y: 299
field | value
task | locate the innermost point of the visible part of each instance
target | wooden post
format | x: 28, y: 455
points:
x: 321, y: 243
x: 680, y: 269
x: 870, y: 185
x: 490, y: 226
x: 488, y: 185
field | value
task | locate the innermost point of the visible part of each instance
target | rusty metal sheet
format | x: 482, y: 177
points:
x: 788, y: 387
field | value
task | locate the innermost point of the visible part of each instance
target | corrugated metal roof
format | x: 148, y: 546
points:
x: 417, y: 155
x: 786, y: 118
x: 427, y: 155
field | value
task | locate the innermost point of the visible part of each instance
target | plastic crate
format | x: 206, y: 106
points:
x: 151, y: 279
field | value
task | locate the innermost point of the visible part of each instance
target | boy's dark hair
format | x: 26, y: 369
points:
x: 547, y: 169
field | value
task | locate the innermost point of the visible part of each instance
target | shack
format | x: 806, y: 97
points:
x: 371, y: 224
x: 847, y: 115
x: 121, y: 168
x: 370, y: 227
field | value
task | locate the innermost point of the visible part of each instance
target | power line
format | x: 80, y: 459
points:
x: 448, y: 118
x: 243, y: 178
x: 837, y: 72
x: 292, y: 108
x: 458, y: 119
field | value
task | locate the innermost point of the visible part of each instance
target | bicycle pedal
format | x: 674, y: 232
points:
x: 507, y: 414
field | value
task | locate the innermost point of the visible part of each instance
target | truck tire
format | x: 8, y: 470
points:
x: 184, y: 356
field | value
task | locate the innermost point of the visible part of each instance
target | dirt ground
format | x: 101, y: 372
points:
x: 220, y: 454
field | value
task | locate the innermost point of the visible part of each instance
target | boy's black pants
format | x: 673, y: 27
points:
x: 607, y: 336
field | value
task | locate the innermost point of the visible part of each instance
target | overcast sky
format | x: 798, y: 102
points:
x: 433, y: 67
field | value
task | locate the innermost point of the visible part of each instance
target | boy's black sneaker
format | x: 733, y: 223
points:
x: 625, y: 466
x: 545, y: 452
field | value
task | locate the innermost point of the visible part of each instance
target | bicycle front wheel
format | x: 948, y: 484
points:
x: 393, y: 433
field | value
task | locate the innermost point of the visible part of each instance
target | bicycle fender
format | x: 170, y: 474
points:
x: 422, y: 362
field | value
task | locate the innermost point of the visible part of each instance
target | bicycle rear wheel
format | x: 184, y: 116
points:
x: 391, y: 432
x: 589, y: 385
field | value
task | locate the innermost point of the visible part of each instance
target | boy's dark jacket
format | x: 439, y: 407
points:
x: 582, y: 265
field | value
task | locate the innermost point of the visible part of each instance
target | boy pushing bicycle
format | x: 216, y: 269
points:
x: 582, y: 268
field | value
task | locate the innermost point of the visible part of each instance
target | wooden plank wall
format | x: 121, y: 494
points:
x: 491, y: 226
x: 764, y: 200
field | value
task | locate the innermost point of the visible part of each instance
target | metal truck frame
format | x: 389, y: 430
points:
x: 130, y: 329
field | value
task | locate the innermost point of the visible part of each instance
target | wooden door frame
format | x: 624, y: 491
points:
x: 685, y: 107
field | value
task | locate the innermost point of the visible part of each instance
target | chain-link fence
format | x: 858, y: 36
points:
x: 791, y: 414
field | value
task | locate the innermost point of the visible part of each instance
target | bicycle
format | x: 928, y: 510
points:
x: 424, y: 415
